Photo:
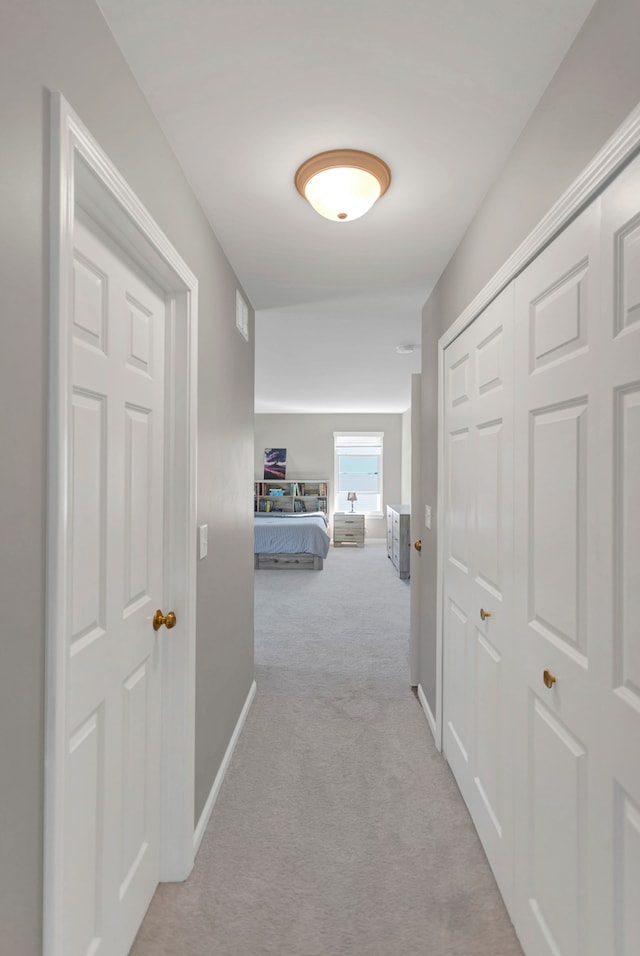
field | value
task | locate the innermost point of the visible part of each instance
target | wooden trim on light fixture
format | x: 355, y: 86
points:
x: 353, y: 158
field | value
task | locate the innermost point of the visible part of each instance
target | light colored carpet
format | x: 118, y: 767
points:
x: 339, y: 829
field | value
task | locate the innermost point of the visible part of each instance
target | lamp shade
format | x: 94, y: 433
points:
x: 343, y: 184
x: 352, y: 496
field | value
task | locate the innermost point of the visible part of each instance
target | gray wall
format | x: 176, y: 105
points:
x: 595, y: 88
x: 309, y: 443
x: 65, y: 45
x: 425, y: 580
x: 405, y: 473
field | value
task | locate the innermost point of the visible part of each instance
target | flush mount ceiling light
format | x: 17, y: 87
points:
x: 343, y: 184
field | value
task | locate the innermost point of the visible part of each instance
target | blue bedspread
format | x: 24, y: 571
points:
x: 291, y: 533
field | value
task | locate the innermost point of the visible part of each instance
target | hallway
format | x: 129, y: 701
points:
x: 339, y: 829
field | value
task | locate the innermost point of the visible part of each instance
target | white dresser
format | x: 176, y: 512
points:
x: 348, y: 528
x: 399, y: 537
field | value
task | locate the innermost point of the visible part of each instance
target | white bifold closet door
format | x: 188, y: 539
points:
x: 577, y: 585
x: 542, y: 529
x: 478, y: 639
x: 615, y: 896
x: 557, y: 585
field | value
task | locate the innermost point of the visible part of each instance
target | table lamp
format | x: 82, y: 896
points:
x: 352, y: 496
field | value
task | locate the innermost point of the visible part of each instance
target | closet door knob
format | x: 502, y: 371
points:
x: 549, y: 679
x: 159, y: 619
x: 484, y: 614
x: 418, y: 545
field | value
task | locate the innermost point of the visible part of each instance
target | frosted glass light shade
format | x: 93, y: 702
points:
x: 342, y: 193
x: 343, y: 184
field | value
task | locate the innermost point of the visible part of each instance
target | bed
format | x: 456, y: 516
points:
x: 291, y: 540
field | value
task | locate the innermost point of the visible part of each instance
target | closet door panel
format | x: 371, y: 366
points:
x: 615, y: 923
x: 491, y: 589
x: 490, y: 508
x: 556, y: 854
x: 557, y: 518
x: 556, y: 446
x: 458, y: 690
x: 478, y: 568
x: 460, y: 514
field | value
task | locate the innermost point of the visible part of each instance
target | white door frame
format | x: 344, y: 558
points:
x: 608, y: 161
x: 82, y: 174
x: 414, y: 556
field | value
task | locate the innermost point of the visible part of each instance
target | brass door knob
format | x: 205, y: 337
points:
x: 418, y: 545
x: 484, y: 614
x: 549, y: 679
x: 159, y: 619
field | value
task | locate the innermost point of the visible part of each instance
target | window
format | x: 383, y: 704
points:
x: 358, y: 467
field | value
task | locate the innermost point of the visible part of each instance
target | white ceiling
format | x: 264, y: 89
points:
x: 246, y: 90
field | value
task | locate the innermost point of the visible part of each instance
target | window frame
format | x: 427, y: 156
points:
x: 366, y: 439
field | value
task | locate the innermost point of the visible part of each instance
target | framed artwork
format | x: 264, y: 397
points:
x: 275, y: 463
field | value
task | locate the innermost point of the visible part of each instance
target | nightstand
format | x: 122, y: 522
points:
x: 348, y: 528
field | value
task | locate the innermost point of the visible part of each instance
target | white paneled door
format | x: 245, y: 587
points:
x: 541, y: 700
x: 558, y: 585
x: 615, y: 894
x: 115, y: 574
x: 478, y: 580
x: 577, y: 607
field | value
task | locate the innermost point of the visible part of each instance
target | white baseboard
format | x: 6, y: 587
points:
x: 427, y: 711
x: 224, y: 766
